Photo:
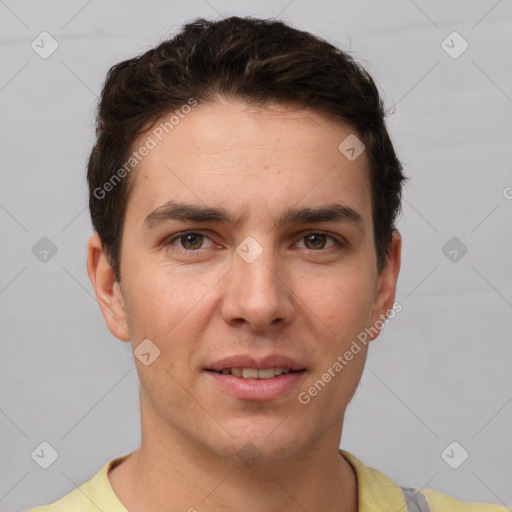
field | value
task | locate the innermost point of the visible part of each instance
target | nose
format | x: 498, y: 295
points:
x: 258, y: 293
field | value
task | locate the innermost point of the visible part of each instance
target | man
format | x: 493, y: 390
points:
x: 243, y: 190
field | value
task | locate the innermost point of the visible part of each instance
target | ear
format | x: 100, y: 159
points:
x: 386, y: 285
x: 107, y: 289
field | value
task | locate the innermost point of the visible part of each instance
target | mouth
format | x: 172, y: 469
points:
x: 249, y: 378
x: 256, y: 373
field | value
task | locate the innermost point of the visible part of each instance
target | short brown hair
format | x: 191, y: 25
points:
x: 256, y: 60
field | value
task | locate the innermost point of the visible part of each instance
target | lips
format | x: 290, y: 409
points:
x: 254, y: 373
x: 247, y: 377
x: 246, y: 363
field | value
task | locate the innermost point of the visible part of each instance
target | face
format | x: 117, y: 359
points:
x: 248, y: 243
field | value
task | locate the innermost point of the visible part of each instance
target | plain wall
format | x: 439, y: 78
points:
x: 440, y: 371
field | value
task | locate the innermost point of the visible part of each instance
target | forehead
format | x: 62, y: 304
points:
x: 229, y: 153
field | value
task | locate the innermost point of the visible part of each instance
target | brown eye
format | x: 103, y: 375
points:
x: 191, y: 241
x: 317, y: 241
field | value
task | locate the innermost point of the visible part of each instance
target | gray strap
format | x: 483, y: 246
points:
x: 415, y: 501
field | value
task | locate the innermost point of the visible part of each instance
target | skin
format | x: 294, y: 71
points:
x: 200, y: 301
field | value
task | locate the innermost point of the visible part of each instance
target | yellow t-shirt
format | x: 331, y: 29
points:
x: 376, y: 493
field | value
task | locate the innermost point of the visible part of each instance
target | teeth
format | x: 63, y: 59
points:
x: 237, y: 372
x: 254, y: 373
x: 267, y: 373
x: 249, y: 373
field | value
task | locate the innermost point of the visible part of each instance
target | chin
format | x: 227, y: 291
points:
x: 252, y: 444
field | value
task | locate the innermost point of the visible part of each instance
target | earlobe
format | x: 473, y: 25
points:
x: 386, y: 287
x: 107, y: 290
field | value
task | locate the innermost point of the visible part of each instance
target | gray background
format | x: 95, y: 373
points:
x: 440, y: 372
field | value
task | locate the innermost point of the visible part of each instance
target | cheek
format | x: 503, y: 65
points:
x: 161, y: 299
x: 343, y: 301
x: 170, y: 310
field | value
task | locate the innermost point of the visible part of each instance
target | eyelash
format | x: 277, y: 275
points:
x: 182, y: 234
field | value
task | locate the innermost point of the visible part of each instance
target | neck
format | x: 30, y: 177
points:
x: 169, y: 472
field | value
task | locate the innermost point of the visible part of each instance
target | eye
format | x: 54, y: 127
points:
x: 192, y: 241
x: 189, y: 241
x: 317, y: 240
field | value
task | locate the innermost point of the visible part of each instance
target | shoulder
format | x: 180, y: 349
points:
x: 440, y: 502
x: 96, y: 494
x: 76, y: 500
x: 378, y: 492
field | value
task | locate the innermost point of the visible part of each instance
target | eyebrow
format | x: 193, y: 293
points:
x: 173, y: 210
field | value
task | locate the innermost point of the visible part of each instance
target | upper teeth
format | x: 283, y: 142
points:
x: 254, y: 373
